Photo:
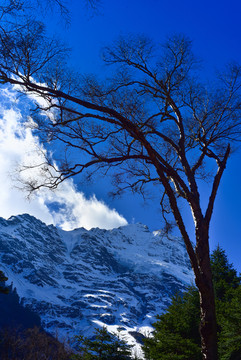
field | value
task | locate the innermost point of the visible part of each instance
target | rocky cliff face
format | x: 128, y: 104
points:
x: 81, y: 279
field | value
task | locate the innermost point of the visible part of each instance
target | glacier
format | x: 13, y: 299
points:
x: 81, y: 279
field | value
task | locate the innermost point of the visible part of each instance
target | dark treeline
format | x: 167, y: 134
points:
x: 31, y: 344
x: 176, y: 334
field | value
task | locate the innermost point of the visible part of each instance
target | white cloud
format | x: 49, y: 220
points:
x: 66, y: 207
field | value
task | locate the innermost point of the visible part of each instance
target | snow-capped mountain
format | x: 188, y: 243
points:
x: 78, y: 280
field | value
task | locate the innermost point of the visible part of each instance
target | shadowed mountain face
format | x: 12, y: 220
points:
x: 80, y: 279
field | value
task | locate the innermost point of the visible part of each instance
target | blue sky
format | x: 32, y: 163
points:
x: 214, y: 27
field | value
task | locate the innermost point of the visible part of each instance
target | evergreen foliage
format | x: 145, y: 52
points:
x: 14, y: 314
x: 31, y: 344
x: 230, y: 336
x: 176, y: 334
x: 3, y: 278
x: 105, y: 346
x: 225, y: 277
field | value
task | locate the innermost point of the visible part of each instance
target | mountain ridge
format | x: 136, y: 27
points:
x: 77, y: 280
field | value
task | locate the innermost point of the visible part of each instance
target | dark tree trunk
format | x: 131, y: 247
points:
x: 208, y: 324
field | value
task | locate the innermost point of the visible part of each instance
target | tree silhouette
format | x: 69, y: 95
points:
x: 104, y: 345
x: 153, y: 121
x: 3, y: 278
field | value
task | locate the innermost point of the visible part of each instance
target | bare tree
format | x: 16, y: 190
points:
x: 22, y: 8
x: 151, y: 122
x: 15, y: 7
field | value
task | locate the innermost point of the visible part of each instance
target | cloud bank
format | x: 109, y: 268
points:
x: 67, y: 207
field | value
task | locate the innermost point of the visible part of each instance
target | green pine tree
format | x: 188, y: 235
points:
x: 225, y: 277
x: 176, y: 334
x: 105, y: 346
x: 3, y: 278
x: 230, y: 334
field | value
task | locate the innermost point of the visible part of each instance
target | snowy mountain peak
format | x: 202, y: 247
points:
x: 78, y: 279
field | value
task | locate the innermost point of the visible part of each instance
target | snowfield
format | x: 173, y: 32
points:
x: 79, y: 280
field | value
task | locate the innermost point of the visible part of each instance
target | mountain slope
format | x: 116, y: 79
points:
x: 79, y: 279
